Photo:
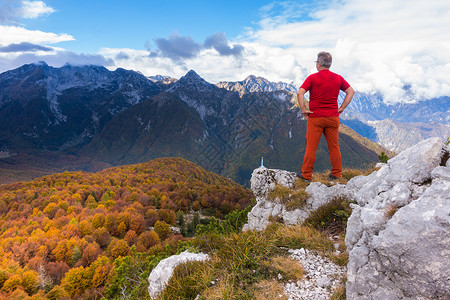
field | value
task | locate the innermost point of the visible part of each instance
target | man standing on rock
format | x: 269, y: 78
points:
x: 323, y: 114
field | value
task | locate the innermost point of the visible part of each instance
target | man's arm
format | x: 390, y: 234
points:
x: 301, y: 102
x: 348, y: 98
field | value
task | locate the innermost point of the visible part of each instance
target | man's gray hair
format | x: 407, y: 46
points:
x: 325, y: 59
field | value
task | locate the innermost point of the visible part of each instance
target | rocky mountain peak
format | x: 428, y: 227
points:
x: 40, y: 63
x: 193, y: 81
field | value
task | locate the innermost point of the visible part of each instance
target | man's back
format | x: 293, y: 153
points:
x: 323, y: 88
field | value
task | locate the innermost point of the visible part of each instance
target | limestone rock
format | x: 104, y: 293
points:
x: 161, y: 274
x: 264, y: 180
x: 398, y: 236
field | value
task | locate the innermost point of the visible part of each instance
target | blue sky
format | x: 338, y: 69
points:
x: 385, y: 46
x: 135, y: 24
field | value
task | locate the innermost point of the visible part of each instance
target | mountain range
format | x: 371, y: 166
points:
x: 87, y: 117
x: 398, y: 126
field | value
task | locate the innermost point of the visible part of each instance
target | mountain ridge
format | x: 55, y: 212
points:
x: 253, y: 84
x: 121, y: 117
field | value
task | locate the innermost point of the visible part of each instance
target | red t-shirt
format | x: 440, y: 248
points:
x: 323, y: 88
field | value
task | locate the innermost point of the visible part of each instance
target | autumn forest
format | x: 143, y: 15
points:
x: 87, y: 235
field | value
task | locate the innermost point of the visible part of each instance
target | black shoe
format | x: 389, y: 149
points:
x: 302, y: 178
x: 332, y: 177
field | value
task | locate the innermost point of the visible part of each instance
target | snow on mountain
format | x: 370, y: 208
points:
x: 253, y: 84
x: 57, y: 106
x: 162, y: 79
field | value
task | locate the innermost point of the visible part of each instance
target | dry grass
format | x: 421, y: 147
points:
x: 290, y: 198
x: 390, y: 210
x: 222, y: 289
x: 290, y: 269
x: 322, y: 177
x: 303, y: 236
x: 269, y: 290
x: 339, y: 293
x: 300, y: 184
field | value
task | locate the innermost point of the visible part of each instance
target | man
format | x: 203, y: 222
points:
x: 323, y: 114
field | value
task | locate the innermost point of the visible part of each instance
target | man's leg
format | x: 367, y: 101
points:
x: 331, y: 132
x: 313, y: 133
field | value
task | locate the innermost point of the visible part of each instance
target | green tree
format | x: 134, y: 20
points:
x: 181, y: 223
x: 162, y: 229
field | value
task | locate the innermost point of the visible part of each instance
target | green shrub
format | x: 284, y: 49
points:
x: 129, y: 276
x: 331, y: 216
x: 233, y: 222
x: 383, y: 157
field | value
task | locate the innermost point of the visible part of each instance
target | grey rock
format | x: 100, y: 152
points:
x: 161, y: 274
x: 321, y: 276
x: 323, y: 281
x: 264, y: 180
x: 398, y: 236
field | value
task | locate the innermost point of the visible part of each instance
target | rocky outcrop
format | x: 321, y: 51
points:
x: 398, y: 236
x: 161, y: 274
x: 264, y: 180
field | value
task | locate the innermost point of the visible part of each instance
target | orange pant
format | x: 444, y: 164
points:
x: 329, y: 126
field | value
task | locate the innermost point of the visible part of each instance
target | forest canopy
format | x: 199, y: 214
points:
x: 69, y: 234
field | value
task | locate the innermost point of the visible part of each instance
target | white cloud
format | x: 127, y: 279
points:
x: 19, y: 45
x: 57, y: 59
x: 385, y: 46
x: 16, y: 34
x: 397, y: 48
x: 34, y: 9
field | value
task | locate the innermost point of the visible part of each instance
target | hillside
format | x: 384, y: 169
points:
x: 63, y: 234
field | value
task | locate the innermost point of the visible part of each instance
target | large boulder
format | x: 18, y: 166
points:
x: 398, y: 236
x: 161, y: 274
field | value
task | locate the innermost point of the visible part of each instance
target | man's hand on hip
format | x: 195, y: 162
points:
x: 306, y: 113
